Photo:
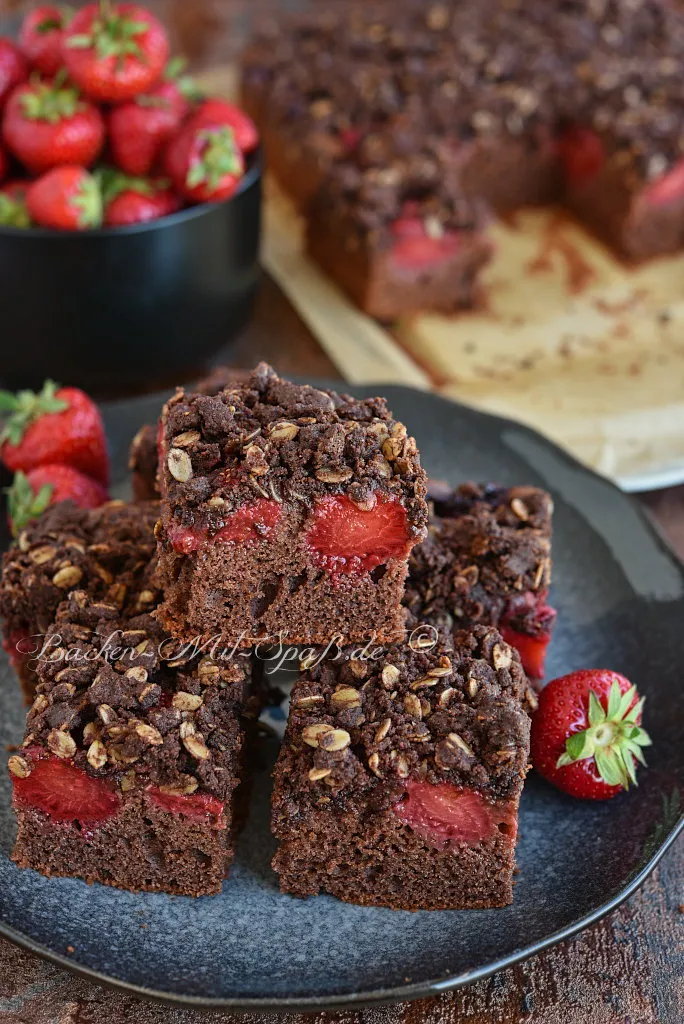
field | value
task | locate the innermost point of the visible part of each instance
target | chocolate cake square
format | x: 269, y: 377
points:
x: 400, y: 775
x: 287, y: 511
x: 131, y: 768
x: 103, y: 552
x: 396, y: 233
x: 487, y: 561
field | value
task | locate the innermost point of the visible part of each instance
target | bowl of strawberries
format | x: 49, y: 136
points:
x: 129, y: 204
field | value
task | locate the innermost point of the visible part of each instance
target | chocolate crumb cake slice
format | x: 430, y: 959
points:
x: 487, y: 560
x: 134, y: 752
x: 397, y: 232
x: 103, y: 552
x: 399, y: 778
x: 286, y: 511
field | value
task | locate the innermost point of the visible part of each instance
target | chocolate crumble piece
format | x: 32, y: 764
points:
x: 103, y: 552
x: 286, y: 510
x: 486, y: 560
x: 130, y: 770
x: 399, y: 778
x: 143, y: 457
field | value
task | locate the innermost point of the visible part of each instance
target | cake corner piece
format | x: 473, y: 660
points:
x: 131, y: 767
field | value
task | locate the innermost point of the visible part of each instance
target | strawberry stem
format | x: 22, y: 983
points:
x: 613, y: 738
x: 23, y: 503
x: 113, y: 182
x: 87, y: 201
x: 112, y: 34
x: 13, y: 212
x: 220, y: 156
x: 51, y: 103
x: 18, y: 411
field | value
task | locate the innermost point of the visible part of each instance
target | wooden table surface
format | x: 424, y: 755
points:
x: 628, y: 969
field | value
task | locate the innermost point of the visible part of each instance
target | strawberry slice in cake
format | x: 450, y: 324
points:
x: 286, y: 511
x: 399, y: 778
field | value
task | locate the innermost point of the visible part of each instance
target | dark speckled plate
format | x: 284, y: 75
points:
x: 620, y: 598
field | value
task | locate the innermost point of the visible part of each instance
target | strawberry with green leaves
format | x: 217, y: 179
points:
x: 205, y: 163
x: 132, y: 200
x: 32, y: 492
x: 220, y: 112
x: 40, y: 38
x: 47, y: 124
x: 586, y: 734
x: 115, y: 51
x: 139, y: 129
x: 66, y: 198
x: 55, y: 425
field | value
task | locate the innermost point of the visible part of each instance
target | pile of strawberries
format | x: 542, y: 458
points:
x: 99, y: 86
x: 54, y: 442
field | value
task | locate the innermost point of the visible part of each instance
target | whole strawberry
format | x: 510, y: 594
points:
x: 32, y: 492
x: 129, y: 200
x: 60, y: 425
x: 13, y: 68
x: 220, y: 112
x: 114, y: 51
x: 46, y: 125
x: 205, y: 164
x: 66, y: 198
x: 40, y: 38
x: 139, y: 129
x: 586, y: 734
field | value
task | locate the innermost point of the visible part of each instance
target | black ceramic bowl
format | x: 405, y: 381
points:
x: 120, y: 308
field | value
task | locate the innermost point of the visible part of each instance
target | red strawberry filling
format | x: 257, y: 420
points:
x: 348, y: 541
x: 666, y: 189
x: 582, y: 155
x: 186, y: 539
x: 196, y: 806
x: 414, y: 247
x: 530, y: 611
x: 350, y: 138
x: 446, y: 815
x: 532, y: 650
x: 13, y: 647
x: 64, y: 792
x: 248, y: 525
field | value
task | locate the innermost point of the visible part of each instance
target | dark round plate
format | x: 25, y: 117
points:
x: 620, y: 597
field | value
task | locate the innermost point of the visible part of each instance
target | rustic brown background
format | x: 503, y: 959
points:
x: 628, y: 969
